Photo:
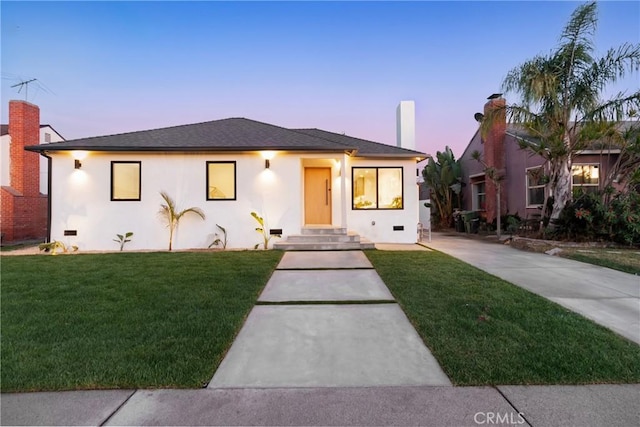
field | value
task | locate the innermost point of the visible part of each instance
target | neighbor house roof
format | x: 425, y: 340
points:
x: 234, y: 134
x: 610, y: 145
x: 4, y: 129
x: 604, y: 142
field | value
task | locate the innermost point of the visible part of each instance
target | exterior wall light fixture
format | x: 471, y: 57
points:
x: 77, y: 164
x: 267, y: 163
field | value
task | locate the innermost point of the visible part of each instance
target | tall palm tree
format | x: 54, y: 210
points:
x: 169, y: 213
x: 561, y: 97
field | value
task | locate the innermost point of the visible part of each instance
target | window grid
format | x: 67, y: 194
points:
x: 358, y: 199
x: 535, y: 183
x: 479, y: 196
x: 585, y: 176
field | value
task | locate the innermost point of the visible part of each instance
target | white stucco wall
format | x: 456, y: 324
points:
x: 377, y: 225
x: 5, y: 177
x: 81, y: 200
x: 44, y: 164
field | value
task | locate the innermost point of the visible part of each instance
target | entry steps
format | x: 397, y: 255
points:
x: 324, y: 239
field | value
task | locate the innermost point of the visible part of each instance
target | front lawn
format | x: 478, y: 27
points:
x: 124, y: 320
x: 485, y: 331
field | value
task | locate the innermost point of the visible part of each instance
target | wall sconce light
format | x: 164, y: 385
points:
x: 77, y: 164
x: 267, y: 163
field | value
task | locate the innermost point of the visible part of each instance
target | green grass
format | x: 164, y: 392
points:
x: 124, y: 320
x: 627, y: 260
x: 485, y: 331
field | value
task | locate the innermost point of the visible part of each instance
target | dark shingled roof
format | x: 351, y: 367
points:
x: 234, y: 134
x: 365, y: 148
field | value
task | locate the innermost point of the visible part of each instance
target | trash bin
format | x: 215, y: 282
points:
x: 471, y: 221
x: 458, y: 222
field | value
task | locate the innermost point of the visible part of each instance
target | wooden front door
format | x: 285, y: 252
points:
x: 317, y: 196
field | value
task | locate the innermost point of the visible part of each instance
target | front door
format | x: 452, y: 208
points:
x: 317, y: 196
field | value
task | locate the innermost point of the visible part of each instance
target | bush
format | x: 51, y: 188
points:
x: 587, y: 217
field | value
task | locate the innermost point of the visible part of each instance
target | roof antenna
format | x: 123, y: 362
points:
x: 26, y: 86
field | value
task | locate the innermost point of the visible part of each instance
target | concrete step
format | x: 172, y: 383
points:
x: 366, y: 244
x: 302, y: 238
x: 323, y: 229
x: 323, y: 238
x: 317, y: 246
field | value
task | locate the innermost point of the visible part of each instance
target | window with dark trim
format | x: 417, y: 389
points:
x: 377, y: 188
x: 126, y: 180
x: 221, y: 180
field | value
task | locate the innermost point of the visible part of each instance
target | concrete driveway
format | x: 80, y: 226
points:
x: 608, y: 297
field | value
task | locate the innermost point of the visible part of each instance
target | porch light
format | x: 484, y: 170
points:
x: 267, y: 156
x: 78, y: 156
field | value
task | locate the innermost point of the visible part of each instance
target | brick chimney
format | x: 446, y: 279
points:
x: 24, y: 209
x: 494, y: 154
x: 24, y: 128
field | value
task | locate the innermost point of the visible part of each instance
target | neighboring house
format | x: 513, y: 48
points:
x: 23, y: 174
x: 295, y: 178
x: 523, y: 187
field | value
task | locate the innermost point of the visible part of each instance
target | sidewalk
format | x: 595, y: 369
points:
x: 608, y: 297
x: 584, y: 406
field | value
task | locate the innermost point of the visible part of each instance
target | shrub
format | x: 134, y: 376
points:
x: 587, y: 217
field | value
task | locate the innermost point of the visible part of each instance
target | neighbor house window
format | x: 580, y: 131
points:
x: 377, y: 188
x: 479, y: 196
x: 125, y: 181
x: 47, y: 137
x: 221, y: 180
x: 585, y: 178
x: 535, y: 186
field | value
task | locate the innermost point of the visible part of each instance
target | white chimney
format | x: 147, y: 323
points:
x: 406, y: 125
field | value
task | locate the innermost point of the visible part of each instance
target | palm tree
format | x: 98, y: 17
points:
x: 560, y: 97
x: 172, y: 217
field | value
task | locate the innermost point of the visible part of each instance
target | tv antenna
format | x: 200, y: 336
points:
x: 24, y: 84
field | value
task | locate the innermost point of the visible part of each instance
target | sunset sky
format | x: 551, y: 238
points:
x: 112, y: 67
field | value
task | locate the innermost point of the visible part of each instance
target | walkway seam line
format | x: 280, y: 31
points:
x: 522, y: 414
x: 115, y: 411
x: 326, y: 302
x: 322, y: 268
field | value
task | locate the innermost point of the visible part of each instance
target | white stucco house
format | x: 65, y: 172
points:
x: 300, y: 180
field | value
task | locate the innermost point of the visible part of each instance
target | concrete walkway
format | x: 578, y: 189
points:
x: 608, y: 297
x: 326, y: 319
